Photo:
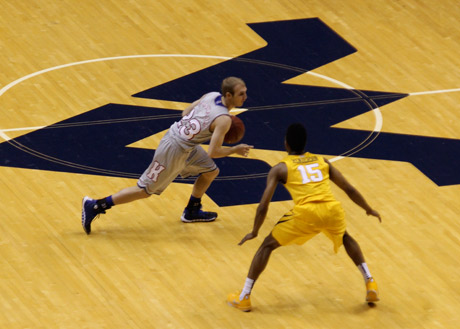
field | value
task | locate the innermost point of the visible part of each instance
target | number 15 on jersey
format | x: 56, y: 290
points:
x: 310, y: 173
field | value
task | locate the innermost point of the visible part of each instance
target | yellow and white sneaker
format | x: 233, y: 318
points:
x: 372, y: 294
x: 244, y: 305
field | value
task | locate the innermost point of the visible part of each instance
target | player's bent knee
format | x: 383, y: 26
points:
x: 142, y: 193
x: 270, y: 242
x: 212, y: 174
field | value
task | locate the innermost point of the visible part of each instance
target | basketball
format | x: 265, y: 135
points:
x: 236, y: 131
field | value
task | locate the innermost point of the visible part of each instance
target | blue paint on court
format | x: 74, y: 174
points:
x: 95, y: 142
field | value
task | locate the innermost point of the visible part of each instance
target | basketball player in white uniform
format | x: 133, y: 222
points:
x: 179, y: 152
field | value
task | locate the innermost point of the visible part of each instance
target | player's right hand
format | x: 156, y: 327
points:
x: 374, y: 213
x: 248, y: 236
x: 243, y: 149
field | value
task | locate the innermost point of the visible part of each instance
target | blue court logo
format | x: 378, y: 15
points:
x: 95, y: 142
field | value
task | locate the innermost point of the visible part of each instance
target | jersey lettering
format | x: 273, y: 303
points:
x: 310, y: 173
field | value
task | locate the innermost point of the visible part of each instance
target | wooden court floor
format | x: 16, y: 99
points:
x: 141, y: 267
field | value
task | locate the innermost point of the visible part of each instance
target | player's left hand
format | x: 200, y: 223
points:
x: 248, y: 236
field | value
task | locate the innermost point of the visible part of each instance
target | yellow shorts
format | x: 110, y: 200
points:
x: 305, y: 221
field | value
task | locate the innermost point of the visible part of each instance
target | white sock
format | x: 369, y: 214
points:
x: 364, y: 271
x: 247, y: 288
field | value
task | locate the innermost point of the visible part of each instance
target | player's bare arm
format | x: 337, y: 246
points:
x: 336, y: 176
x: 277, y: 174
x: 219, y: 128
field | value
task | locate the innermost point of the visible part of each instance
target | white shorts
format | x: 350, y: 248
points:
x: 171, y: 160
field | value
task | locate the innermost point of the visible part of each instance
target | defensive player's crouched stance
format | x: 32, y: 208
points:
x: 306, y: 176
x: 180, y: 153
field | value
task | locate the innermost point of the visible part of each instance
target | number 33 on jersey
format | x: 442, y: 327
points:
x: 189, y: 126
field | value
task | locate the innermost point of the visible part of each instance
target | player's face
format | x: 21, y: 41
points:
x: 239, y: 95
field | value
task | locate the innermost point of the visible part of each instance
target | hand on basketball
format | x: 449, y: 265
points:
x: 243, y: 149
x: 248, y: 236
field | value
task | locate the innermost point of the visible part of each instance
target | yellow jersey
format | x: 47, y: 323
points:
x: 308, y: 178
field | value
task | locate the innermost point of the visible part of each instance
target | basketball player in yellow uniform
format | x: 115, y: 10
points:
x: 306, y: 176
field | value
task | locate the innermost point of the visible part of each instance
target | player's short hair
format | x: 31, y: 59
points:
x: 296, y: 137
x: 228, y: 85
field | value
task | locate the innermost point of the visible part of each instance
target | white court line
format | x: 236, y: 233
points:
x: 240, y: 110
x: 434, y: 92
x: 4, y: 136
x: 376, y: 111
x: 23, y: 128
x: 377, y: 114
x: 8, y: 86
x: 18, y: 81
x: 236, y: 110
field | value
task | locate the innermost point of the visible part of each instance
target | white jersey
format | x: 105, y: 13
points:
x: 179, y: 151
x: 193, y: 128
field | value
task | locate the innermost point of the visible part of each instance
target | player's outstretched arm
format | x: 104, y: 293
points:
x: 276, y: 174
x: 336, y: 176
x: 220, y: 127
